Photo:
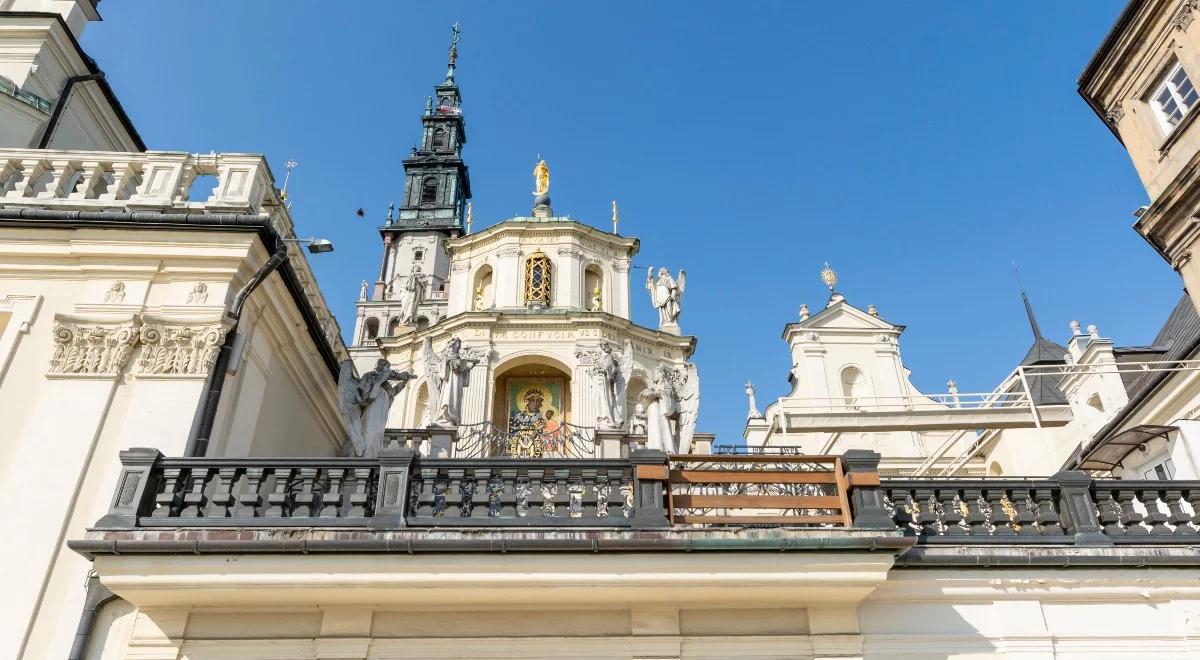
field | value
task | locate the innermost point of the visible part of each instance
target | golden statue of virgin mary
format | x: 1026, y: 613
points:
x: 541, y: 178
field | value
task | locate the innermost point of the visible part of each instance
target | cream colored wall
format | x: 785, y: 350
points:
x: 793, y: 605
x: 59, y: 454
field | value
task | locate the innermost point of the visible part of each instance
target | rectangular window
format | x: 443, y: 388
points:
x: 1174, y: 98
x: 1163, y: 471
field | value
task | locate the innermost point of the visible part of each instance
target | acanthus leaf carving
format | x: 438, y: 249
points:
x: 92, y: 347
x: 179, y: 348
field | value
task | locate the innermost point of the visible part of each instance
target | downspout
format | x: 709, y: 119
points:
x: 61, y: 105
x: 206, y: 414
x: 97, y: 597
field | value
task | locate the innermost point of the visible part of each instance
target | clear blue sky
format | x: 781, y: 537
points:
x: 918, y: 147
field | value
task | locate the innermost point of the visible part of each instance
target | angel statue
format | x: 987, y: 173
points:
x: 671, y: 402
x: 665, y: 294
x: 365, y: 402
x: 611, y: 373
x: 449, y: 372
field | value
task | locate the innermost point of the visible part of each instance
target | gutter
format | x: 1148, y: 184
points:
x: 10, y: 217
x: 97, y: 597
x: 1123, y: 415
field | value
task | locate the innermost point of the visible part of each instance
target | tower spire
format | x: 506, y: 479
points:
x: 453, y: 55
x: 1033, y: 324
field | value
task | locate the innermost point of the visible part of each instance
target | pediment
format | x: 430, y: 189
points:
x: 844, y: 316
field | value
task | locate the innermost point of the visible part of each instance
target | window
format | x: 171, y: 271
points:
x: 1162, y: 471
x: 439, y: 138
x: 429, y: 191
x: 1174, y: 98
x: 537, y: 279
x: 418, y: 255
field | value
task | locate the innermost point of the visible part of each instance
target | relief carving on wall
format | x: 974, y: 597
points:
x: 175, y: 348
x: 89, y: 347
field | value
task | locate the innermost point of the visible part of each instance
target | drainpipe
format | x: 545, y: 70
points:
x: 97, y: 597
x: 206, y: 414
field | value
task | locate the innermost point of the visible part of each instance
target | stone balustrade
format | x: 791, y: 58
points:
x: 648, y: 490
x: 152, y: 180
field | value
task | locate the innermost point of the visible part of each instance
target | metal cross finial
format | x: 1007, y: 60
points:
x: 290, y: 165
x: 454, y: 36
x: 616, y: 217
x: 829, y: 277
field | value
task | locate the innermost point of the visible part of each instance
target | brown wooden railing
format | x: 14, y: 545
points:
x: 747, y: 490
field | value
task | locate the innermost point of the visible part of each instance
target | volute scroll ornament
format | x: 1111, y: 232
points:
x: 179, y: 349
x: 87, y: 347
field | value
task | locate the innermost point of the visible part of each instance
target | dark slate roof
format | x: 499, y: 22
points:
x: 1174, y: 341
x: 1044, y: 351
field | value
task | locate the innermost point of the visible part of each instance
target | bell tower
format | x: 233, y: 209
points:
x: 431, y: 211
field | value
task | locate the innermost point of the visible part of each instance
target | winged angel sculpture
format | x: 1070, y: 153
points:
x: 672, y: 403
x: 448, y: 373
x: 666, y: 294
x: 611, y: 373
x: 365, y: 402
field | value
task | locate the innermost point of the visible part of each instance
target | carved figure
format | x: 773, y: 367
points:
x: 362, y: 290
x: 115, y: 293
x: 637, y: 421
x: 666, y: 294
x: 365, y: 402
x: 478, y: 305
x: 199, y: 294
x: 448, y: 374
x: 541, y: 178
x: 672, y: 402
x: 611, y: 373
x: 410, y: 296
x: 596, y: 302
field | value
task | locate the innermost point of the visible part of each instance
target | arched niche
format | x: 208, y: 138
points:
x: 593, y: 287
x: 422, y: 323
x: 482, y: 289
x: 633, y: 391
x: 419, y: 415
x: 855, y: 386
x: 513, y: 382
x: 370, y: 328
x: 393, y: 326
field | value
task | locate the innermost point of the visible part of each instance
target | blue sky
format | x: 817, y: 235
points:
x: 918, y: 147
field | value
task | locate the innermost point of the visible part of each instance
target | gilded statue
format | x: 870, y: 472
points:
x: 541, y: 178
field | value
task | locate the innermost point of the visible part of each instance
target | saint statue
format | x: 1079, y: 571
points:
x: 448, y: 373
x: 661, y: 405
x: 541, y: 178
x: 611, y: 372
x: 362, y: 291
x: 365, y: 402
x: 478, y: 304
x: 665, y: 294
x: 596, y: 302
x: 410, y: 295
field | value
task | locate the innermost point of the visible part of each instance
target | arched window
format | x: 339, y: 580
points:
x: 537, y: 279
x: 422, y: 323
x: 429, y: 190
x: 854, y: 386
x: 370, y: 329
x: 393, y: 326
x: 481, y: 292
x: 439, y: 138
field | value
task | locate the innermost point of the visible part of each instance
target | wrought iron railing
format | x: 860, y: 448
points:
x: 486, y: 440
x: 741, y: 490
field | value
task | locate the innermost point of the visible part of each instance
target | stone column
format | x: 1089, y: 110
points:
x: 618, y: 293
x: 475, y: 396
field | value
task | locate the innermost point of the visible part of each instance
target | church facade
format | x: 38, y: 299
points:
x: 500, y: 463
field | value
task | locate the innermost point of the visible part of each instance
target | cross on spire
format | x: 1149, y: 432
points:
x: 453, y: 56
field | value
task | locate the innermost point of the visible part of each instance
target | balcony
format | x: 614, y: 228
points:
x: 649, y: 501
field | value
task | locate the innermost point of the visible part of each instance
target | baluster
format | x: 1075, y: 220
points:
x: 601, y: 490
x: 626, y: 490
x: 575, y: 498
x: 466, y: 490
x: 1179, y: 518
x: 977, y: 521
x: 927, y: 516
x: 193, y: 500
x: 1193, y: 498
x: 1000, y: 507
x: 425, y: 500
x: 220, y: 505
x: 31, y: 171
x: 902, y: 503
x: 331, y: 500
x: 1048, y: 520
x: 1023, y: 521
x: 522, y: 490
x: 536, y: 486
x: 278, y: 498
x: 90, y: 171
x: 587, y: 478
x: 1109, y: 513
x: 441, y: 485
x: 495, y: 491
x: 1155, y: 518
x: 1130, y: 518
x: 304, y: 501
x: 166, y: 502
x: 561, y: 495
x: 454, y: 485
x: 952, y: 515
x: 250, y: 498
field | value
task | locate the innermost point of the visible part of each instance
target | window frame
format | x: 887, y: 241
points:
x: 1166, y: 85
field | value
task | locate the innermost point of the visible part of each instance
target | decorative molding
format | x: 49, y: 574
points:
x: 22, y: 310
x: 509, y: 251
x: 460, y: 265
x: 1115, y: 114
x: 115, y: 293
x: 1185, y: 15
x: 621, y: 265
x: 570, y: 251
x: 199, y: 294
x: 88, y: 347
x: 179, y: 349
